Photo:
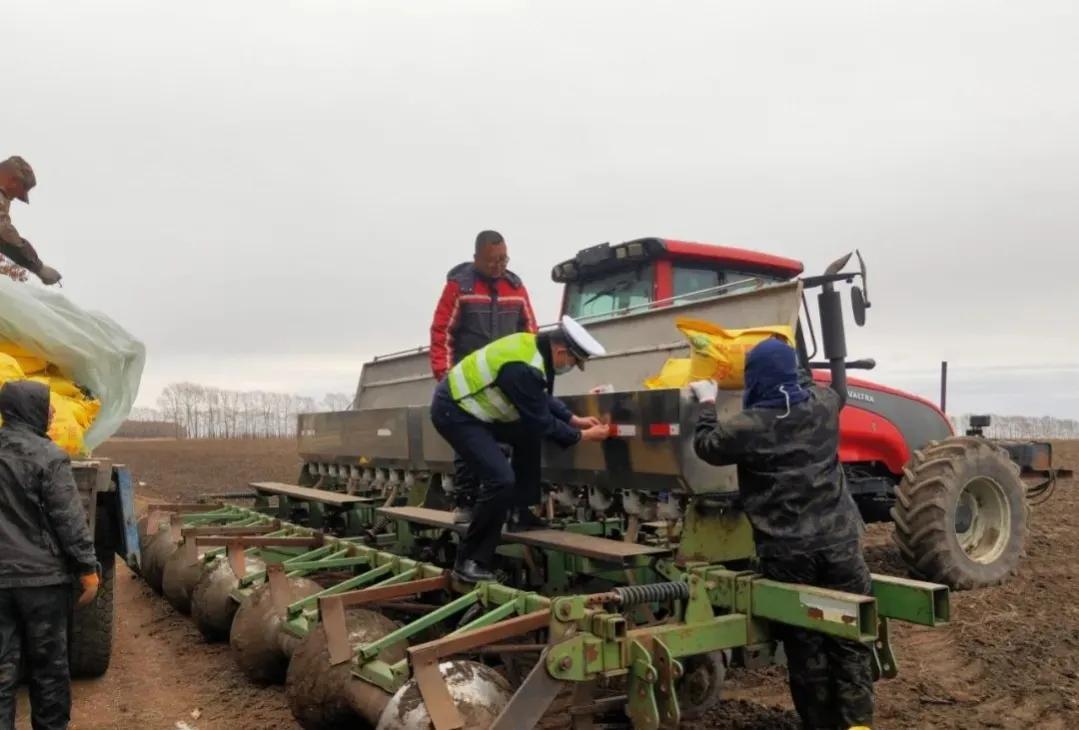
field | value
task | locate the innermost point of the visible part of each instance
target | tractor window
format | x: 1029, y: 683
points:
x: 690, y: 280
x: 694, y: 282
x: 610, y: 293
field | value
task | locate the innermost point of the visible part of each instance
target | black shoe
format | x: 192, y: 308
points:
x: 469, y: 571
x: 462, y: 515
x: 524, y: 520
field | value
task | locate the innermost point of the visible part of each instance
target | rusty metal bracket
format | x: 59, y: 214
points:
x: 436, y: 696
x: 641, y: 706
x: 884, y: 665
x: 670, y: 671
x: 234, y: 552
x: 278, y: 581
x: 235, y: 545
x: 189, y: 551
x: 332, y: 609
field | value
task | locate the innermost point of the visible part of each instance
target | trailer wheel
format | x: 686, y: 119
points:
x: 701, y: 683
x: 90, y: 636
x: 961, y: 514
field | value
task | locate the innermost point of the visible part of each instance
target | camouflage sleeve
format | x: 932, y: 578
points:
x: 832, y: 400
x: 722, y: 441
x: 22, y: 253
x: 66, y: 515
x: 8, y: 234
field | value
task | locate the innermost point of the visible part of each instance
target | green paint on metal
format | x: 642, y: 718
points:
x: 686, y: 640
x: 884, y: 664
x: 641, y: 703
x: 404, y: 577
x: 358, y: 581
x: 843, y: 615
x: 670, y: 671
x: 309, y: 566
x: 494, y: 616
x: 370, y: 651
x: 835, y: 613
x: 714, y: 534
x: 915, y: 601
x: 382, y: 675
x: 699, y: 606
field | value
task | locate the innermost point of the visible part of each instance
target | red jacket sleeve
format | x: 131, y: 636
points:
x: 528, y: 317
x: 442, y: 326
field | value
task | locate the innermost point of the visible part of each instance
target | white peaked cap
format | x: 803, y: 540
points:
x: 578, y: 339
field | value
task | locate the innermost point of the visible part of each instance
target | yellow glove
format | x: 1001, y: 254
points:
x: 89, y: 583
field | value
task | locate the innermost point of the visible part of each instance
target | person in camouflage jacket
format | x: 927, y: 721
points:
x: 806, y: 526
x: 16, y: 181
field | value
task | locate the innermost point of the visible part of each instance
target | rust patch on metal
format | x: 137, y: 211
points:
x: 815, y: 613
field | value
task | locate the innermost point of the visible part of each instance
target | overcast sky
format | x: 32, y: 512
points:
x: 267, y: 193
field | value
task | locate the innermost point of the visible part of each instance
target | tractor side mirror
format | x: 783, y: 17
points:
x: 857, y: 305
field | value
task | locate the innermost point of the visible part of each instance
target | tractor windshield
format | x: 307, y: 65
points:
x: 610, y: 293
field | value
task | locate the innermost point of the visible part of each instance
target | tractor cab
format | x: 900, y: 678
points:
x: 608, y: 280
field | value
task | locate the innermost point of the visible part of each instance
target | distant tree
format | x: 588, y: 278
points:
x: 1024, y: 427
x: 336, y: 402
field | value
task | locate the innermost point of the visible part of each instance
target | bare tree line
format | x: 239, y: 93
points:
x: 200, y: 411
x: 197, y: 411
x: 1024, y: 427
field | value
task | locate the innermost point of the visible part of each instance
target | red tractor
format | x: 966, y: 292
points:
x: 959, y: 503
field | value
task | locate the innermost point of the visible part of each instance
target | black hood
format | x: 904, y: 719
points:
x: 27, y: 403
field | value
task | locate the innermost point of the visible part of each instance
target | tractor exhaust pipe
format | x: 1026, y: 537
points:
x: 833, y: 332
x: 944, y: 386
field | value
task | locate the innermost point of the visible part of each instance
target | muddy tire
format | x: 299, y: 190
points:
x: 261, y: 649
x: 479, y: 692
x: 179, y: 578
x: 961, y: 514
x: 699, y: 689
x: 159, y: 548
x: 323, y: 696
x: 212, y: 606
x: 90, y: 635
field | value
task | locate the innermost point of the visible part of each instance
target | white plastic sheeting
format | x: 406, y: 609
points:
x: 88, y: 347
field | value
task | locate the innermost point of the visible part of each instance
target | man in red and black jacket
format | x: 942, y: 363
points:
x: 481, y: 302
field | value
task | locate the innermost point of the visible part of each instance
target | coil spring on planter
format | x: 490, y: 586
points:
x: 651, y: 593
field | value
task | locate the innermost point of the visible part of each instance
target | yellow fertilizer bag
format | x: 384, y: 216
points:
x: 720, y: 354
x: 69, y: 422
x: 9, y: 369
x: 29, y: 363
x: 675, y: 374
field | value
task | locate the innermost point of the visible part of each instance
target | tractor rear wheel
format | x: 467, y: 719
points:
x: 961, y: 513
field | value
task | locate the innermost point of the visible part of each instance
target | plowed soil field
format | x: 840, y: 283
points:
x: 1009, y: 658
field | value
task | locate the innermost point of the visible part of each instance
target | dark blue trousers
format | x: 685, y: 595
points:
x: 503, y: 484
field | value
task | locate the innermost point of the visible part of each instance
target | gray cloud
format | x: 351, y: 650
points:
x: 268, y: 193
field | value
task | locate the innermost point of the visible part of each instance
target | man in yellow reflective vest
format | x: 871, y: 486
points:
x: 501, y: 394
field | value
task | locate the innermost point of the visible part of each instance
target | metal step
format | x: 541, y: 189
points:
x: 587, y: 546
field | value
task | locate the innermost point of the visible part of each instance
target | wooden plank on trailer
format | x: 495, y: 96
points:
x: 323, y: 496
x: 588, y: 546
x: 598, y: 548
x: 423, y: 516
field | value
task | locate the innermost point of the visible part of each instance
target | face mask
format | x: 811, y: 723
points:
x: 564, y: 368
